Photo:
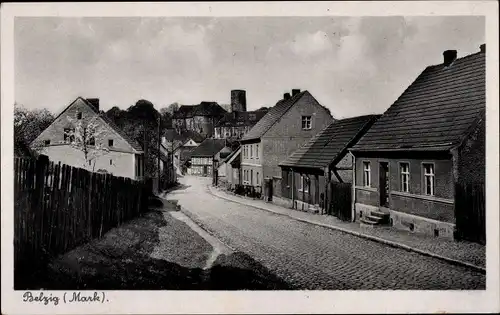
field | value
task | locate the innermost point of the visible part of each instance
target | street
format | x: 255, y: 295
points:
x: 312, y: 257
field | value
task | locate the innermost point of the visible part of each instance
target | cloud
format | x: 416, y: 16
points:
x: 311, y: 44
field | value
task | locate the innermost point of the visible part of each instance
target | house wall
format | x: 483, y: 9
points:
x: 116, y: 163
x: 345, y: 173
x: 251, y: 164
x: 407, y: 208
x: 198, y: 164
x: 472, y: 162
x: 291, y: 190
x: 287, y: 135
x: 231, y: 132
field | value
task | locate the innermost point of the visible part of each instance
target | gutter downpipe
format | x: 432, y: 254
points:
x: 353, y: 199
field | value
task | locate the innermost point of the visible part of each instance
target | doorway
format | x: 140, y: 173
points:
x: 205, y: 170
x: 384, y: 184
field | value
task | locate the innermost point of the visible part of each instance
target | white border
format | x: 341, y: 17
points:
x: 146, y: 302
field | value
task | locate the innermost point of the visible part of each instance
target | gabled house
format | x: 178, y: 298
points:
x: 432, y: 138
x: 120, y: 155
x: 229, y: 170
x: 206, y: 157
x: 324, y: 158
x: 200, y: 118
x: 181, y: 144
x: 285, y: 127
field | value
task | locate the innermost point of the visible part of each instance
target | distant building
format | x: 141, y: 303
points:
x: 200, y: 118
x: 206, y: 157
x: 431, y: 140
x: 235, y: 125
x: 125, y: 157
x: 181, y: 144
x: 288, y: 125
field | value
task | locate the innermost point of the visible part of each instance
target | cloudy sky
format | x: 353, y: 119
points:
x: 352, y: 65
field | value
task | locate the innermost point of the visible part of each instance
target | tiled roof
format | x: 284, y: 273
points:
x: 435, y: 112
x: 209, y: 147
x: 331, y: 143
x: 236, y: 119
x: 272, y: 116
x: 202, y: 109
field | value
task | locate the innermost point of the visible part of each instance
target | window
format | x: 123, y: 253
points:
x: 69, y: 135
x: 79, y: 115
x: 257, y: 178
x: 251, y: 151
x: 304, y: 184
x: 90, y: 162
x: 366, y: 174
x: 91, y: 141
x: 251, y: 177
x: 110, y: 162
x: 257, y: 151
x: 46, y: 142
x: 110, y: 142
x: 306, y: 122
x: 404, y: 170
x: 428, y: 178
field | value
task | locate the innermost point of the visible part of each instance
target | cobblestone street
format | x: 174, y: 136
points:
x: 313, y: 257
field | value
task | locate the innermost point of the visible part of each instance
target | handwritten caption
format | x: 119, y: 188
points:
x: 47, y: 298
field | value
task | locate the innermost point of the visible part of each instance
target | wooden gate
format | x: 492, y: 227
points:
x: 339, y: 196
x: 470, y: 211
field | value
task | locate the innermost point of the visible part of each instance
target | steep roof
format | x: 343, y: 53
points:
x: 209, y: 147
x: 272, y: 116
x: 236, y: 119
x: 436, y: 110
x: 133, y: 143
x: 331, y: 143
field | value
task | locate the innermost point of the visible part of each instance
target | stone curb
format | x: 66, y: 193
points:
x: 366, y: 236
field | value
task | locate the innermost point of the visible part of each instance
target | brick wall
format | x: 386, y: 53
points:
x: 439, y: 207
x: 472, y: 162
x: 287, y: 135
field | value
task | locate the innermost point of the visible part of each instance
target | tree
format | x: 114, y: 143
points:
x: 172, y: 108
x: 87, y: 137
x: 28, y: 124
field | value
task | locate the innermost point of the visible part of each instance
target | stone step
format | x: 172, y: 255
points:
x: 368, y: 221
x: 373, y: 218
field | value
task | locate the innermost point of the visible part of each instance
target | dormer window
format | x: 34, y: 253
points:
x: 79, y: 115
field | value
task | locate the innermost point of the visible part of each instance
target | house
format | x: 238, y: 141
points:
x: 431, y: 139
x: 235, y: 124
x: 120, y: 155
x: 237, y: 121
x: 324, y: 158
x: 205, y: 158
x: 229, y: 170
x: 285, y: 127
x: 200, y: 118
x: 181, y: 144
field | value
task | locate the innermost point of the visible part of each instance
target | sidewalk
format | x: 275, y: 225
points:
x: 462, y: 253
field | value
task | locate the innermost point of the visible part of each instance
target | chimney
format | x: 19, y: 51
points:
x: 295, y: 92
x: 286, y: 96
x: 482, y: 48
x: 449, y: 56
x: 238, y: 101
x: 94, y: 102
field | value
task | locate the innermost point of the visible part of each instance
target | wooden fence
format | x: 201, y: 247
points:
x: 339, y: 197
x: 58, y: 207
x: 470, y: 212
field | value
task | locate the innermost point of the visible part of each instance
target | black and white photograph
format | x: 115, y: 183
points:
x: 228, y: 152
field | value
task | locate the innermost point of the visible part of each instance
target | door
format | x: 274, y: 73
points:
x: 205, y: 170
x: 384, y: 184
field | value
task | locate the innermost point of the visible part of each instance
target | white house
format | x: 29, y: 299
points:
x: 116, y: 153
